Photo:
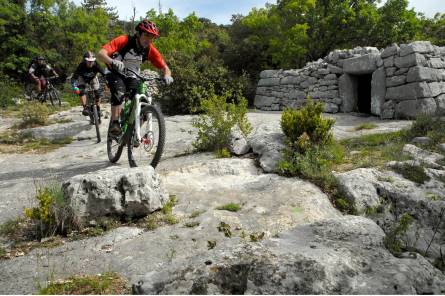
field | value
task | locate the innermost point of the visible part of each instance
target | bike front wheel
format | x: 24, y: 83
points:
x: 148, y: 150
x: 54, y: 97
x: 114, y: 148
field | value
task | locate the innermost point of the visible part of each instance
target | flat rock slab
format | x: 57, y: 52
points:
x: 269, y: 204
x: 344, y: 255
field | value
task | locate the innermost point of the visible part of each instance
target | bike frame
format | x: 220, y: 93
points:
x: 141, y: 100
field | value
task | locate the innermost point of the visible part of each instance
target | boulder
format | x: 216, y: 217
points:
x: 263, y: 101
x: 416, y: 47
x: 440, y: 101
x: 269, y: 82
x: 334, y: 69
x: 413, y: 108
x: 238, y: 142
x: 395, y: 81
x: 269, y: 74
x: 358, y: 185
x: 390, y: 51
x: 437, y: 88
x: 361, y: 65
x: 421, y: 155
x: 268, y: 142
x: 378, y: 91
x: 134, y: 192
x: 437, y: 63
x: 390, y: 71
x: 347, y: 87
x: 425, y: 74
x: 410, y: 60
x: 385, y: 196
x: 389, y: 62
x: 335, y: 256
x: 410, y: 91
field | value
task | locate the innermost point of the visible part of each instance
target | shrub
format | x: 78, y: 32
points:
x: 197, y: 79
x: 430, y: 126
x: 34, y: 114
x: 308, y: 123
x: 394, y: 239
x: 218, y: 119
x: 10, y: 90
x: 52, y: 215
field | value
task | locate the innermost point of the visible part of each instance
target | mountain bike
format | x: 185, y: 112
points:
x: 95, y: 117
x: 50, y: 92
x: 143, y: 129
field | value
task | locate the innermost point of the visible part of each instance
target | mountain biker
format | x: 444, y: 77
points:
x: 40, y: 71
x: 86, y: 73
x: 129, y: 52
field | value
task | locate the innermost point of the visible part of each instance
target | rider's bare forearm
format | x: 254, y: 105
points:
x: 166, y: 71
x: 103, y: 57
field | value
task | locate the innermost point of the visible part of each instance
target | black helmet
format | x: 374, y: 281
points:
x: 89, y: 56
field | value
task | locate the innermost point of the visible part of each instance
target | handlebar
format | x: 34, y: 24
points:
x: 142, y: 77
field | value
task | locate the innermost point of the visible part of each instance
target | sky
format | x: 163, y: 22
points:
x: 221, y: 11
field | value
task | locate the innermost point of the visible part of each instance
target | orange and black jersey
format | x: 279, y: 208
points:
x: 126, y: 49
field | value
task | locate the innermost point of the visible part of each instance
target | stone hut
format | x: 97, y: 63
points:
x: 397, y: 82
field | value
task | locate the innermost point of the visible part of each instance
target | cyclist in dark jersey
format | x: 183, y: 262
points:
x: 40, y: 71
x: 86, y: 73
x: 129, y: 52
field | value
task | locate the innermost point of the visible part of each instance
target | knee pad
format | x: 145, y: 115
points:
x: 117, y: 98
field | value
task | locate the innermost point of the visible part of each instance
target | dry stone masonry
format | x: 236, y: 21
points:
x: 396, y: 82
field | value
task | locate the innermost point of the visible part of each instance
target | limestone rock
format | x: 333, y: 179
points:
x: 437, y: 88
x: 359, y: 188
x: 395, y: 81
x: 261, y: 101
x: 416, y: 47
x: 410, y: 91
x: 268, y: 74
x: 390, y: 51
x: 421, y: 140
x: 238, y: 142
x: 429, y: 158
x: 410, y: 60
x: 425, y: 74
x: 378, y: 91
x: 412, y: 108
x: 134, y: 192
x: 328, y: 257
x: 57, y: 131
x: 361, y: 65
x: 268, y: 142
x: 269, y: 82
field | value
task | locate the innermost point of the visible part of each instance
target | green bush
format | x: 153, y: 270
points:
x: 197, y: 79
x: 215, y: 124
x: 307, y: 125
x: 9, y: 91
x: 430, y: 126
x: 35, y: 114
x: 52, y: 215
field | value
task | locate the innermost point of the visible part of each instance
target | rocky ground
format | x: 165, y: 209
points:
x: 307, y: 247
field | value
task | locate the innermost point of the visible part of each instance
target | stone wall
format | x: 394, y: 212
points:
x: 404, y: 81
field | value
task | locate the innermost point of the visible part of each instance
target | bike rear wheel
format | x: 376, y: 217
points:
x: 114, y: 149
x: 149, y: 150
x: 96, y: 122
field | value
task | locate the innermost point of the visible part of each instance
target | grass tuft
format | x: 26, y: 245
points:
x: 231, y: 207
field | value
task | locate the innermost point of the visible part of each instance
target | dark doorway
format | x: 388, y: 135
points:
x: 364, y: 93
